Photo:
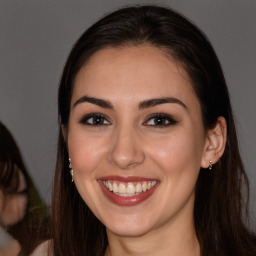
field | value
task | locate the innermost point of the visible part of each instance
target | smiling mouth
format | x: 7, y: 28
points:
x: 128, y: 189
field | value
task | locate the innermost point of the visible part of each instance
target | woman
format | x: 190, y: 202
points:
x: 148, y: 136
x: 13, y: 205
x: 21, y: 208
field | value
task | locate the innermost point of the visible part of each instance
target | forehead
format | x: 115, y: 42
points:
x: 134, y: 72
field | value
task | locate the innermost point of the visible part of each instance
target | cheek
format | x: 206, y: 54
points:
x: 177, y: 153
x: 85, y: 152
x: 15, y: 209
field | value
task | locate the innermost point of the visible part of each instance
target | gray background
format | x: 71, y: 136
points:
x: 36, y: 37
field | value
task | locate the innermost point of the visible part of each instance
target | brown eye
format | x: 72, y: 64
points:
x: 160, y: 120
x: 95, y: 119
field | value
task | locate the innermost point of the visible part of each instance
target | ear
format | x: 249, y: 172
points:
x: 215, y: 143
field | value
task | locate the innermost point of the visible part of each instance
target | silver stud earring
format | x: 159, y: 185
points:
x: 210, y: 165
x: 71, y: 170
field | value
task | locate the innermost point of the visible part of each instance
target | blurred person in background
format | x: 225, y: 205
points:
x: 23, y: 214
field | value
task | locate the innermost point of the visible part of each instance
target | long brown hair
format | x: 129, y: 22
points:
x: 219, y: 204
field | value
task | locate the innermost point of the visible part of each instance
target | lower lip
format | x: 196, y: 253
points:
x: 129, y: 200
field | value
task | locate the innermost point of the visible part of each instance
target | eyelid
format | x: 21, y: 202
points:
x: 86, y: 117
x: 168, y: 117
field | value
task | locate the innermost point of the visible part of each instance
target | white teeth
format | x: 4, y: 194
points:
x: 115, y: 188
x: 130, y: 188
x: 138, y: 188
x: 144, y: 186
x: 110, y: 187
x: 122, y: 188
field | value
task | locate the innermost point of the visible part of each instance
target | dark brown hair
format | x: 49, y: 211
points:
x: 219, y: 205
x: 26, y: 231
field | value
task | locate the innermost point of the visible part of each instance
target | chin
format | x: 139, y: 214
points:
x: 128, y: 228
x: 132, y: 232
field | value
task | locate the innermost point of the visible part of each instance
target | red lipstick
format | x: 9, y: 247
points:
x: 125, y: 199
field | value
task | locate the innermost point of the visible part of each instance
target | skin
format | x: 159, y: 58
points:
x: 42, y: 250
x: 129, y: 143
x: 13, y: 206
x: 12, y: 210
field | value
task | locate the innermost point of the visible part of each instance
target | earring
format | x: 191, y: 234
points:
x: 210, y: 165
x: 71, y: 170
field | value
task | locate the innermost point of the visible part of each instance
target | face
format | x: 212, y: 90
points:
x: 136, y: 139
x: 13, y: 207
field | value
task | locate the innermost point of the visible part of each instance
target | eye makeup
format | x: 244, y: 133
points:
x: 160, y: 120
x: 94, y: 119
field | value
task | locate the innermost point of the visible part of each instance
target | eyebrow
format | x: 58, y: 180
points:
x: 143, y: 105
x: 158, y: 101
x: 100, y: 102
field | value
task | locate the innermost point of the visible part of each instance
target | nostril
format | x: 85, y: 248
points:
x: 126, y: 159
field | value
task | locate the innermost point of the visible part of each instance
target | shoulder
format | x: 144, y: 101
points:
x: 43, y: 249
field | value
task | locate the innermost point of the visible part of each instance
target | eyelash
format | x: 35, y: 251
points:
x: 100, y: 120
x: 168, y: 120
x: 95, y: 117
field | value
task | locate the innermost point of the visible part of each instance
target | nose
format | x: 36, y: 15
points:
x: 126, y: 149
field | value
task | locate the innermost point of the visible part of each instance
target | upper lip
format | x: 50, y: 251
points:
x: 126, y: 178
